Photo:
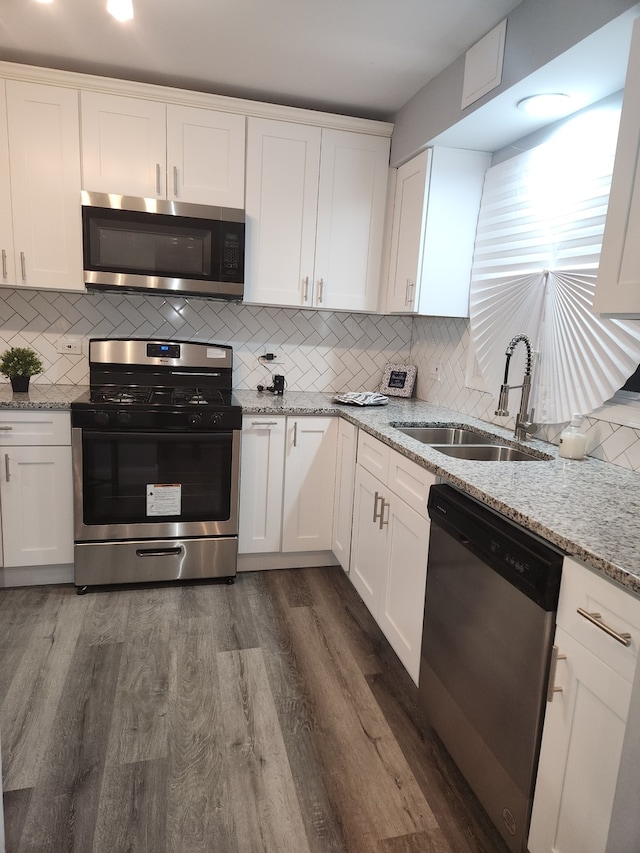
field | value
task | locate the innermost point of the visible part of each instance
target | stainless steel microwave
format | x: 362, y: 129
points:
x: 146, y: 244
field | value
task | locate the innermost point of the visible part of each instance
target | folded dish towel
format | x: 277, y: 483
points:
x: 362, y: 398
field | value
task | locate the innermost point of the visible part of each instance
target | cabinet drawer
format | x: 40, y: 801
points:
x: 619, y: 610
x: 27, y: 427
x: 410, y: 482
x: 373, y: 455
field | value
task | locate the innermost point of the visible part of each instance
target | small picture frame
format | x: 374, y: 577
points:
x: 398, y: 380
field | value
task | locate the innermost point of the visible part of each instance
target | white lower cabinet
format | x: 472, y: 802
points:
x: 287, y: 483
x: 36, y: 493
x: 390, y: 544
x: 585, y: 722
x: 343, y: 498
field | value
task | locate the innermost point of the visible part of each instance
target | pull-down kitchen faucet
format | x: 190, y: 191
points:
x: 524, y: 418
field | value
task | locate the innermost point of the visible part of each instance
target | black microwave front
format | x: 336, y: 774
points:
x: 146, y: 244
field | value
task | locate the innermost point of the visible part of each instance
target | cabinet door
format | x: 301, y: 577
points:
x: 310, y: 470
x: 580, y: 754
x: 45, y: 185
x: 401, y: 607
x: 618, y: 283
x: 343, y: 498
x: 369, y: 541
x: 261, y: 484
x: 37, y: 506
x: 7, y: 262
x: 123, y: 145
x: 283, y: 161
x: 205, y: 156
x: 351, y: 206
x: 407, y: 234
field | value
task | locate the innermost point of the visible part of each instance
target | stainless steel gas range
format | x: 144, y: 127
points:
x: 156, y: 458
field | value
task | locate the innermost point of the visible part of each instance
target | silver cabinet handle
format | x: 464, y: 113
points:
x: 175, y: 181
x: 23, y: 266
x: 594, y: 618
x: 384, y: 505
x: 157, y: 178
x: 5, y: 427
x: 305, y: 295
x: 6, y: 467
x: 377, y: 497
x: 295, y: 433
x: 4, y: 263
x: 320, y: 290
x: 264, y: 423
x: 551, y: 688
x: 410, y: 288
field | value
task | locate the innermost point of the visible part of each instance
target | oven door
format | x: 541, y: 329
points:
x: 154, y: 485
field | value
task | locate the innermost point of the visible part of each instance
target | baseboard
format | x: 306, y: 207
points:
x: 35, y: 575
x: 296, y: 560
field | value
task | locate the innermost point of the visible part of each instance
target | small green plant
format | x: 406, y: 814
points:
x: 20, y: 361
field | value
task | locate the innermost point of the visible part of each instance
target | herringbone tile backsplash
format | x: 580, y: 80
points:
x: 318, y: 350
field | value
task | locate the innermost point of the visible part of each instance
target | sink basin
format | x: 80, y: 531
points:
x: 489, y: 453
x: 446, y: 435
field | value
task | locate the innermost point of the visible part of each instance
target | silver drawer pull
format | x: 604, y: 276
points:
x: 551, y: 689
x: 594, y: 618
x: 264, y: 423
x: 6, y: 428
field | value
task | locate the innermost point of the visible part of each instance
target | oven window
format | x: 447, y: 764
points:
x: 194, y: 472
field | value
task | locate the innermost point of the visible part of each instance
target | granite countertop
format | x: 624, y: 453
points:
x: 587, y: 508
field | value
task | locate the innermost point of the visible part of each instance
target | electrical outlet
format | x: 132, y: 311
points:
x: 436, y: 372
x: 69, y: 346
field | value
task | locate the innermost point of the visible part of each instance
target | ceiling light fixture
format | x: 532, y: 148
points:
x: 44, y: 1
x: 122, y: 10
x: 548, y: 105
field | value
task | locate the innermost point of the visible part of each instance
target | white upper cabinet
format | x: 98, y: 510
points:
x: 40, y: 161
x: 435, y: 215
x: 7, y: 258
x: 315, y: 215
x: 132, y: 146
x: 618, y: 283
x: 205, y: 156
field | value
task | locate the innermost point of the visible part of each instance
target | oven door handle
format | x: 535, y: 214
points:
x: 159, y: 552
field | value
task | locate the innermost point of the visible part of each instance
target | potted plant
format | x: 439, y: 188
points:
x: 19, y: 364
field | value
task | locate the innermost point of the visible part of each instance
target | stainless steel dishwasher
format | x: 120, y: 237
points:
x: 492, y: 593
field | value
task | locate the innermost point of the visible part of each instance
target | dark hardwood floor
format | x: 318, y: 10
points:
x: 270, y: 715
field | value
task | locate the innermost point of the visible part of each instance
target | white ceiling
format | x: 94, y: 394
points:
x: 359, y: 57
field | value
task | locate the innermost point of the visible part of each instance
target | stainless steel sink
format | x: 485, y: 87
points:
x: 490, y: 453
x: 446, y: 435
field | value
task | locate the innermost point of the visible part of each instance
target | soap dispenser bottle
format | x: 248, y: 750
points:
x: 573, y: 441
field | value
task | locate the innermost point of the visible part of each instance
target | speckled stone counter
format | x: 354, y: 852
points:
x: 588, y: 508
x: 40, y: 396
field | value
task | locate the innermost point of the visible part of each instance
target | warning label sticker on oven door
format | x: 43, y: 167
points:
x: 164, y: 499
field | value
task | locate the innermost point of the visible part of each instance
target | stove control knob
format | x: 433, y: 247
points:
x: 101, y: 418
x: 123, y: 418
x: 215, y: 418
x: 195, y: 420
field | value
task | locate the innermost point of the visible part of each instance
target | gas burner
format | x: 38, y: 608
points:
x: 121, y: 395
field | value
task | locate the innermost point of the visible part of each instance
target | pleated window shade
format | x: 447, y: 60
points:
x: 535, y: 262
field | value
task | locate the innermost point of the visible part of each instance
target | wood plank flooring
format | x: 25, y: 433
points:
x: 270, y: 715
